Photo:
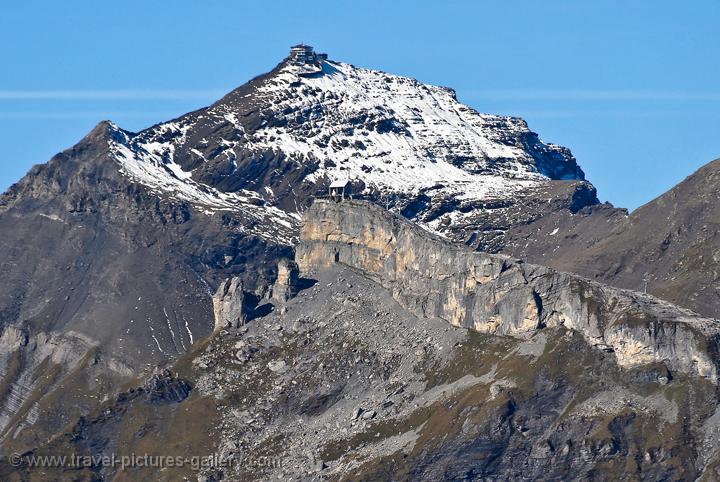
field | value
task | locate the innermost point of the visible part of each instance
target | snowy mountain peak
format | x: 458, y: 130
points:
x: 285, y: 135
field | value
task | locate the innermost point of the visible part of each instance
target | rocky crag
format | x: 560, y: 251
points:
x: 499, y: 295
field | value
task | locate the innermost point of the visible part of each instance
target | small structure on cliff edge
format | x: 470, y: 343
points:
x: 340, y: 189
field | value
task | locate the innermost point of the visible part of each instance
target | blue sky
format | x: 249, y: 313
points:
x: 631, y: 87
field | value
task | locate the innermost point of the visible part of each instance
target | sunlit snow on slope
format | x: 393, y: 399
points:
x: 426, y: 130
x: 392, y: 134
x: 151, y: 165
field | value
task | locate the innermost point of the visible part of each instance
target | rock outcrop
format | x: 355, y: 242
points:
x: 165, y: 387
x: 287, y: 284
x: 229, y: 306
x: 500, y: 295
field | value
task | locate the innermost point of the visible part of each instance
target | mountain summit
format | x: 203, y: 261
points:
x: 287, y: 134
x: 220, y: 191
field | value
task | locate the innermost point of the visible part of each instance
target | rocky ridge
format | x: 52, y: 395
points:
x: 499, y: 295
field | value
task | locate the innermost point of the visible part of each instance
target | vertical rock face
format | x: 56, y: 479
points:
x: 500, y: 295
x: 229, y: 306
x: 288, y: 281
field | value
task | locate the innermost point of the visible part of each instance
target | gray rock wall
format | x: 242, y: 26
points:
x: 229, y: 306
x: 287, y: 284
x: 500, y: 295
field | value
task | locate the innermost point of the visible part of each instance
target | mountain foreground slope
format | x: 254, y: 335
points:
x: 361, y: 377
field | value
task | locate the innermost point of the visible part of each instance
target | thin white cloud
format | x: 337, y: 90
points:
x: 86, y: 115
x: 119, y: 94
x: 590, y: 95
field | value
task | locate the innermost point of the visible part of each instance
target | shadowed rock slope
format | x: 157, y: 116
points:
x: 672, y: 242
x: 100, y: 277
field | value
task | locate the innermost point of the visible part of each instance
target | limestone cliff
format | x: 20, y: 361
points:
x: 500, y: 295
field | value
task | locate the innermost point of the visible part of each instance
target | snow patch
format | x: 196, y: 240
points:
x: 152, y: 165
